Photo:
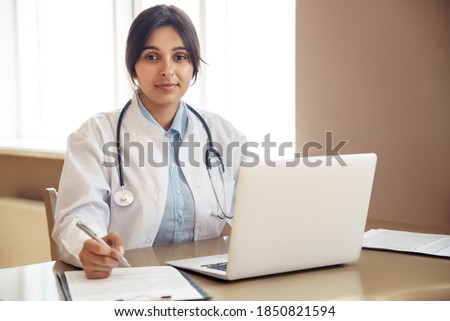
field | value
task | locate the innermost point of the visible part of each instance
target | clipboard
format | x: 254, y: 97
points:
x: 155, y: 283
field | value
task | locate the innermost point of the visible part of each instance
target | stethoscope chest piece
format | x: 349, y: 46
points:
x: 123, y: 197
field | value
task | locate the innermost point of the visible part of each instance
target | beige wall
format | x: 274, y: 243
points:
x: 377, y: 73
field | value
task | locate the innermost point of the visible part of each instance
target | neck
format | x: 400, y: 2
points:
x: 163, y: 114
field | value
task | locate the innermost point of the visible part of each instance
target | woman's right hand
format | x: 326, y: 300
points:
x: 98, y: 260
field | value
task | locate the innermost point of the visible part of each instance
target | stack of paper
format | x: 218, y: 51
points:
x: 432, y: 244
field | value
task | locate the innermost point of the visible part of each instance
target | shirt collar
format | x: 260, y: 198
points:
x: 179, y: 124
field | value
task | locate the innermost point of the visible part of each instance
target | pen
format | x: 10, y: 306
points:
x: 91, y: 233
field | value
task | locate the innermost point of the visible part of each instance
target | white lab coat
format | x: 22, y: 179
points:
x: 86, y: 189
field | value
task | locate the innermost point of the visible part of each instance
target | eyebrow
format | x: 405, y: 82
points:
x: 156, y: 48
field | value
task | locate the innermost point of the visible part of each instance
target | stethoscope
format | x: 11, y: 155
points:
x: 125, y: 197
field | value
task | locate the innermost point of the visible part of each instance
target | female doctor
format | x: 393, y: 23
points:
x: 165, y: 183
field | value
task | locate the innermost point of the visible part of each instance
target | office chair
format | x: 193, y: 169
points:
x: 50, y: 195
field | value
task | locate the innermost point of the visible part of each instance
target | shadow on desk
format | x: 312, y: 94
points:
x: 341, y: 282
x: 332, y: 283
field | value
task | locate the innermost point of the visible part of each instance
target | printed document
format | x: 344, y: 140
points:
x: 136, y: 283
x: 424, y: 243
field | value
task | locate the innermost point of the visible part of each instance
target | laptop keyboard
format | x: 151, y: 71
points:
x: 222, y: 266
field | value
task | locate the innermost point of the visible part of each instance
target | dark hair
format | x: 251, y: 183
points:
x: 158, y: 16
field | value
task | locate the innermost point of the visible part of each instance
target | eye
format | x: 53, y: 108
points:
x: 151, y: 57
x: 180, y: 57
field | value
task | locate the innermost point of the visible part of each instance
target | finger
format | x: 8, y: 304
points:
x: 113, y: 239
x: 98, y: 262
x: 97, y: 248
x: 97, y: 266
x: 96, y: 255
x: 93, y: 274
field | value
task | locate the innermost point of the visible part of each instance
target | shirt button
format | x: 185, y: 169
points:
x: 168, y: 135
x: 173, y: 165
x: 178, y: 191
x: 179, y: 221
x: 147, y: 241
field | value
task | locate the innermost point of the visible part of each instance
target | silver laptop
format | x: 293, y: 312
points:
x: 296, y: 215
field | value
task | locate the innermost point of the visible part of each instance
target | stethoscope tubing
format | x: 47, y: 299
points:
x: 118, y: 139
x: 127, y: 196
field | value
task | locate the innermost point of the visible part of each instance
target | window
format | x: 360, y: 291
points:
x: 64, y: 62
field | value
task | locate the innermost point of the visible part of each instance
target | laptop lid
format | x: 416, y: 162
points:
x: 306, y: 213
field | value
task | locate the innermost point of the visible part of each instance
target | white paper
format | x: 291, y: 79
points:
x: 432, y: 244
x: 136, y: 283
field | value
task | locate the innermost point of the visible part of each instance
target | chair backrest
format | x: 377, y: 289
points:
x: 50, y: 195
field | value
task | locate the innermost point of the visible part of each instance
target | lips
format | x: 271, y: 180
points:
x: 166, y: 86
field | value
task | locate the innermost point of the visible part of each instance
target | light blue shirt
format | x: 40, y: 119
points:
x: 179, y: 213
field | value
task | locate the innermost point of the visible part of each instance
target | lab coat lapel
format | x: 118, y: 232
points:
x: 191, y: 153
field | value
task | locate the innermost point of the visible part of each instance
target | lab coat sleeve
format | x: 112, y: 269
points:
x: 84, y: 190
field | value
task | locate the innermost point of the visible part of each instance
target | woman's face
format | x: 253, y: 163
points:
x: 164, y: 71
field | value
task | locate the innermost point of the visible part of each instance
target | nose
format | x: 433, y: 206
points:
x: 167, y: 69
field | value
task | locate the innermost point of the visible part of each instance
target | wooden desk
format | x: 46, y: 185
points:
x: 378, y: 275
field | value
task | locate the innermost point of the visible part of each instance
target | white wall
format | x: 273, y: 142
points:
x: 8, y: 71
